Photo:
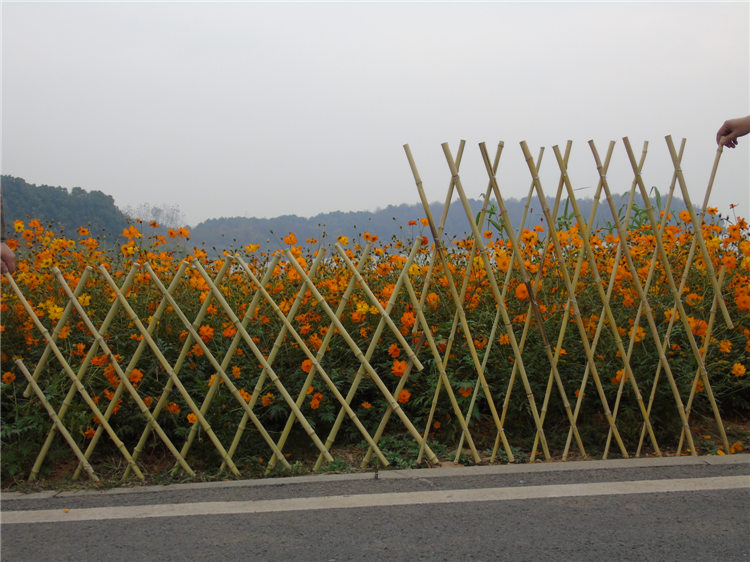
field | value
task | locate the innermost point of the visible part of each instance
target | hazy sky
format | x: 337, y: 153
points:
x: 264, y: 109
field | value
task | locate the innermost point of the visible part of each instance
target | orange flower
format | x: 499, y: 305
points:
x: 315, y: 400
x: 246, y: 396
x: 424, y: 221
x: 307, y: 365
x: 148, y: 400
x: 236, y: 372
x: 89, y: 433
x: 173, y: 408
x: 267, y: 399
x: 398, y: 368
x: 136, y: 376
x: 465, y: 391
x: 366, y: 405
x: 291, y: 239
x: 738, y: 370
x: 404, y: 396
x: 522, y: 293
x: 206, y: 332
x: 725, y: 346
x: 192, y: 418
x: 394, y: 351
x: 8, y: 377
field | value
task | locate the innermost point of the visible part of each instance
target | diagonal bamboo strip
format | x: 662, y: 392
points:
x: 422, y: 338
x: 177, y: 367
x: 258, y: 355
x: 496, y: 320
x: 69, y: 371
x: 527, y: 322
x: 443, y: 376
x: 646, y: 289
x: 306, y: 350
x: 696, y: 377
x: 215, y: 364
x: 55, y: 333
x: 56, y: 420
x: 72, y: 391
x: 636, y: 279
x: 249, y: 314
x: 280, y: 337
x: 124, y: 380
x: 600, y: 323
x: 605, y: 303
x: 572, y: 299
x: 532, y: 299
x: 697, y: 234
x: 368, y: 355
x: 358, y: 353
x: 566, y: 315
x: 187, y: 344
x: 131, y: 365
x: 499, y: 303
x: 381, y: 311
x: 319, y: 357
x: 454, y: 295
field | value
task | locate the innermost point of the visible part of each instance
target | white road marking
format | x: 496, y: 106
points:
x: 375, y: 500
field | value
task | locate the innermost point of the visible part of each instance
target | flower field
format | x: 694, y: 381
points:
x: 501, y: 347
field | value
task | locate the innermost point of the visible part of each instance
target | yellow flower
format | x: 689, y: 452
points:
x: 343, y: 240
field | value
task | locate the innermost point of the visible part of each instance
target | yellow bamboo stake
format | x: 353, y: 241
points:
x: 306, y: 350
x: 56, y: 420
x: 215, y: 364
x: 696, y: 377
x: 697, y: 226
x: 552, y: 358
x: 499, y: 302
x: 259, y: 356
x: 454, y: 295
x: 249, y: 314
x: 572, y: 300
x: 368, y: 355
x: 358, y: 353
x: 527, y: 321
x: 69, y: 371
x: 634, y: 273
x: 55, y: 333
x: 605, y: 303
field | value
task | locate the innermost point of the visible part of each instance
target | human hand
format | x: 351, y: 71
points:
x: 7, y: 259
x: 731, y: 129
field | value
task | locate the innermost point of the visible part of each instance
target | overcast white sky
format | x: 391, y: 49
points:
x: 264, y: 109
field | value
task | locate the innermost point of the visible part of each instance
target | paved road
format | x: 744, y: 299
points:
x: 681, y: 508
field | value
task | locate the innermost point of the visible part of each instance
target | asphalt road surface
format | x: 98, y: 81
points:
x: 683, y: 508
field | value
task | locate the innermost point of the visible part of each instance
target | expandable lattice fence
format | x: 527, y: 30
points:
x: 520, y: 341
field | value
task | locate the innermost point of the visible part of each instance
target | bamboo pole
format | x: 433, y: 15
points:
x: 55, y: 333
x: 72, y: 376
x: 573, y: 301
x: 527, y: 321
x: 368, y: 355
x: 696, y: 377
x: 553, y: 359
x: 358, y: 353
x: 454, y: 295
x: 697, y: 234
x: 221, y: 373
x: 56, y: 420
x: 499, y: 302
x: 258, y: 355
x: 605, y: 303
x: 634, y: 273
x: 249, y: 314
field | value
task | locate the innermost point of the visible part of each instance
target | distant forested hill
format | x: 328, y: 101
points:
x: 62, y: 209
x: 234, y: 232
x: 69, y: 209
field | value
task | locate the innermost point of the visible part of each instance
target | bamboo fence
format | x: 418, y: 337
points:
x: 420, y: 346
